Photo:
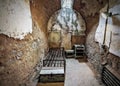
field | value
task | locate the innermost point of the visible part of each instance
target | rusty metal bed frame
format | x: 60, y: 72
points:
x: 53, y: 66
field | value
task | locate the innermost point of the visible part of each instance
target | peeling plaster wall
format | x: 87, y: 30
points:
x: 89, y: 11
x: 99, y: 36
x: 112, y: 36
x: 108, y: 54
x: 15, y: 18
x: 54, y: 25
x: 21, y: 60
x: 93, y: 50
x: 68, y: 18
x: 113, y: 31
x: 66, y: 34
x: 64, y: 21
x: 41, y: 11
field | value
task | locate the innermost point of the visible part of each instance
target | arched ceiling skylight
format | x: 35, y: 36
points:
x: 67, y: 19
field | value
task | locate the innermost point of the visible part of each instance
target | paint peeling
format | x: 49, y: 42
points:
x: 112, y: 36
x: 15, y: 18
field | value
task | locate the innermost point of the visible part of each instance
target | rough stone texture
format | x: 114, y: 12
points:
x: 114, y: 62
x: 93, y: 50
x: 42, y: 10
x: 97, y: 53
x: 89, y: 8
x: 20, y: 59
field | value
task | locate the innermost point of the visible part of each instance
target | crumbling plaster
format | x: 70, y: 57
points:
x: 20, y: 60
x: 54, y: 25
x: 108, y: 30
x: 15, y: 18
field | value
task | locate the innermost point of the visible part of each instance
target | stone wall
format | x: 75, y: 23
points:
x: 42, y: 10
x: 89, y: 8
x: 21, y: 56
x: 105, y: 50
x: 66, y: 34
x: 93, y: 51
x: 114, y: 62
x: 20, y: 60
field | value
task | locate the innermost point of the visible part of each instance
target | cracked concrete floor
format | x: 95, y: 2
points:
x: 79, y: 74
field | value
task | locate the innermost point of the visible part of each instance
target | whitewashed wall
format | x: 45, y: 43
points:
x: 99, y: 36
x: 113, y: 31
x: 15, y: 18
x: 112, y: 37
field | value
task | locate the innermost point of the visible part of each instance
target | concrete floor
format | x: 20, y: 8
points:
x: 77, y: 74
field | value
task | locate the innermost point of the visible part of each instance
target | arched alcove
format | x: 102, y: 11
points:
x: 64, y: 24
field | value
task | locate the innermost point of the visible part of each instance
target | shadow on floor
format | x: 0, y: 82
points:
x: 51, y: 84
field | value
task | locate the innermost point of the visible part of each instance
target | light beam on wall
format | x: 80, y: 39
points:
x: 67, y: 16
x: 67, y: 19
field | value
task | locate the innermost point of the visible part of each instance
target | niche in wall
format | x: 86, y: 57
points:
x: 69, y: 22
x: 54, y: 39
